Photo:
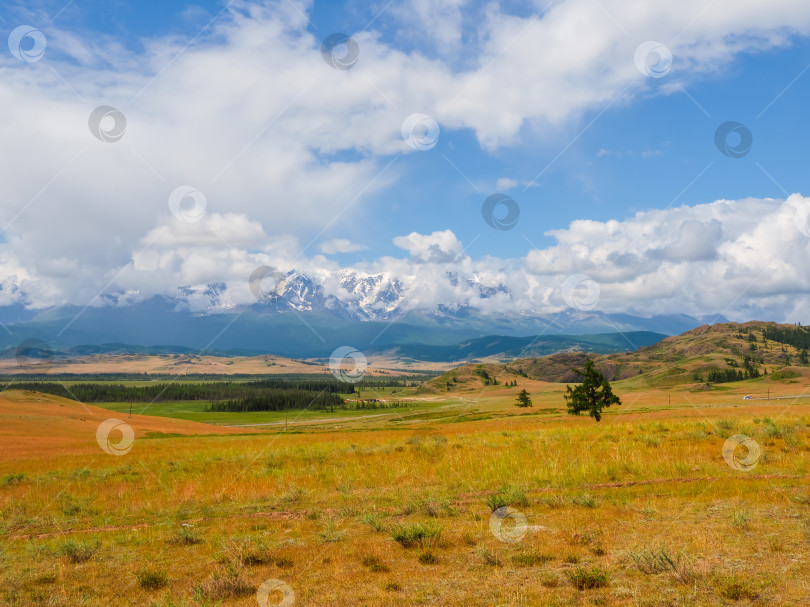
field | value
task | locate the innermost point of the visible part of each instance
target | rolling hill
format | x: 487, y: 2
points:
x: 699, y: 359
x: 504, y: 346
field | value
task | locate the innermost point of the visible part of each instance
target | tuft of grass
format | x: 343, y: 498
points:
x: 772, y: 429
x: 198, y: 601
x: 12, y: 480
x: 329, y: 532
x: 725, y: 425
x: 152, y: 579
x: 391, y: 587
x: 653, y: 562
x: 489, y: 557
x: 584, y: 579
x: 740, y: 519
x: 410, y: 535
x: 374, y: 564
x: 186, y: 536
x: 650, y: 440
x: 436, y: 509
x: 529, y: 559
x: 373, y: 520
x: 585, y: 500
x: 508, y: 496
x: 571, y: 559
x: 428, y: 558
x: 230, y: 584
x: 554, y: 501
x: 247, y: 552
x: 284, y: 562
x: 78, y: 552
x: 736, y: 589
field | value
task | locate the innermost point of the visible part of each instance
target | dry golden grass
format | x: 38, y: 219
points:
x: 182, y: 364
x: 642, y: 506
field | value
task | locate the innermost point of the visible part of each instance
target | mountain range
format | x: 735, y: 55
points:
x: 304, y: 316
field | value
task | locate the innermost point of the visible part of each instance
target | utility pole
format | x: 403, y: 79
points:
x: 130, y: 407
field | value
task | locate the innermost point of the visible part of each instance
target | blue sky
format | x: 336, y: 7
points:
x: 640, y: 144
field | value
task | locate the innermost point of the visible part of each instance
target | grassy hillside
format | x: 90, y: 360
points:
x: 693, y: 360
x: 502, y: 346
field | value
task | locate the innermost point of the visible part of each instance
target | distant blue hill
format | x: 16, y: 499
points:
x: 161, y: 325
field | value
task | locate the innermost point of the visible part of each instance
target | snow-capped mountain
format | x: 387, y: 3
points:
x: 301, y: 314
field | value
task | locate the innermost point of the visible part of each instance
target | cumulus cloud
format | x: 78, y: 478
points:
x: 438, y: 247
x: 743, y: 259
x: 252, y: 117
x: 340, y: 245
x: 739, y: 258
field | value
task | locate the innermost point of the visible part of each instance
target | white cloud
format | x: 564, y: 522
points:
x: 505, y: 183
x: 251, y: 115
x: 340, y: 245
x: 438, y: 247
x: 739, y: 258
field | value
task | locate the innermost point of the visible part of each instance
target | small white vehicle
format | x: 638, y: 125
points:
x: 749, y: 397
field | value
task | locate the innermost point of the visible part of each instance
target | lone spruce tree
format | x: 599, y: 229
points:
x: 523, y: 399
x: 592, y: 395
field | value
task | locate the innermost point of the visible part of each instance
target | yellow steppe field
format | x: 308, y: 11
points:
x: 639, y: 509
x: 180, y: 364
